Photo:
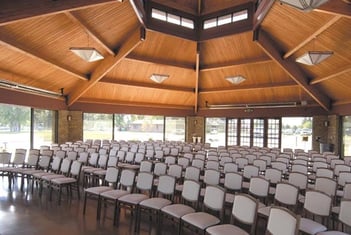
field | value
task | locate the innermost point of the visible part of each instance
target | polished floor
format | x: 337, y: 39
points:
x: 24, y: 213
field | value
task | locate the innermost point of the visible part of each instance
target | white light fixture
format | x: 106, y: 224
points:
x: 304, y: 5
x: 314, y: 57
x: 235, y: 79
x: 89, y: 54
x: 159, y: 78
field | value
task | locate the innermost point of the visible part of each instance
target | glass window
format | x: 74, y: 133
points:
x: 245, y: 132
x: 224, y: 19
x: 273, y: 140
x: 43, y: 126
x: 232, y: 131
x: 187, y: 23
x: 258, y: 132
x: 175, y: 128
x: 138, y: 127
x: 215, y: 131
x: 211, y: 23
x: 173, y: 19
x: 14, y: 127
x: 297, y: 133
x: 157, y: 14
x: 97, y: 126
x: 241, y: 15
x: 346, y: 133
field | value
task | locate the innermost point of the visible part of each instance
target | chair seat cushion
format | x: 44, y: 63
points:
x: 134, y: 198
x: 311, y: 227
x: 114, y: 194
x: 225, y: 229
x: 100, y: 172
x: 65, y: 180
x: 41, y: 174
x: 97, y: 190
x: 155, y: 203
x: 51, y: 177
x: 177, y: 210
x: 201, y: 220
x: 91, y: 170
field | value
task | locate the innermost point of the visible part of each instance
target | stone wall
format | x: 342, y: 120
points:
x: 195, y: 127
x: 325, y: 130
x: 70, y: 126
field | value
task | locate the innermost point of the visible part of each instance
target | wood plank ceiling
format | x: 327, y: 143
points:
x: 35, y: 37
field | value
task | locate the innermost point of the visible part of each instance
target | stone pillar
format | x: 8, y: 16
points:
x: 195, y: 128
x: 70, y: 126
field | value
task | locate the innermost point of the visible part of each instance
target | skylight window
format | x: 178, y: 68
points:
x: 226, y: 19
x: 171, y: 18
x: 241, y: 15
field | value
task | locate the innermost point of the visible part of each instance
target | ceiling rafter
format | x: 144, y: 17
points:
x: 313, y: 36
x: 262, y: 11
x: 148, y: 60
x: 290, y: 67
x: 249, y: 88
x: 108, y: 64
x: 336, y: 8
x: 76, y: 19
x: 7, y: 42
x: 197, y: 75
x: 17, y: 10
x: 263, y: 60
x: 146, y: 85
x: 330, y: 76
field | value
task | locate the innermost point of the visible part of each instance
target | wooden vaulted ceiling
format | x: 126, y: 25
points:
x: 35, y: 37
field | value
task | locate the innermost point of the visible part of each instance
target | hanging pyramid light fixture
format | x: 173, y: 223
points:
x: 159, y: 78
x: 89, y: 54
x: 304, y: 5
x: 314, y: 57
x: 235, y: 79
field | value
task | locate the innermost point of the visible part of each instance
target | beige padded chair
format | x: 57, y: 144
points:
x: 189, y: 203
x: 244, y: 214
x: 214, y: 202
x: 282, y: 221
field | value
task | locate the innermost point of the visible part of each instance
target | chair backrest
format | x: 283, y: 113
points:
x: 344, y: 214
x: 212, y: 165
x: 344, y: 177
x: 259, y: 187
x: 170, y: 160
x: 282, y: 221
x: 159, y: 154
x: 280, y: 166
x: 111, y: 176
x: 324, y: 172
x: 212, y: 177
x: 56, y: 163
x: 299, y: 168
x: 233, y: 181
x: 5, y: 158
x: 65, y: 166
x: 200, y: 156
x: 44, y: 162
x: 102, y: 162
x: 319, y: 164
x: 75, y: 169
x: 250, y: 157
x: 250, y: 171
x: 326, y: 185
x: 175, y: 170
x: 191, y: 191
x: 347, y: 191
x: 286, y: 194
x: 139, y: 157
x: 127, y: 179
x: 129, y: 157
x: 166, y: 185
x: 145, y: 181
x: 273, y: 175
x: 341, y: 167
x: 192, y: 173
x: 261, y: 164
x: 72, y: 155
x: 121, y: 155
x: 230, y: 167
x: 198, y: 163
x: 298, y: 179
x: 214, y: 199
x: 184, y: 162
x: 190, y: 156
x: 145, y: 166
x: 317, y: 203
x: 18, y: 159
x: 32, y: 160
x: 245, y: 210
x: 160, y: 168
x: 93, y: 160
x: 60, y: 153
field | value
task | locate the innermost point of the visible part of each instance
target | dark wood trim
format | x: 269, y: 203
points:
x: 336, y: 7
x: 139, y: 11
x: 262, y: 11
x: 16, y: 10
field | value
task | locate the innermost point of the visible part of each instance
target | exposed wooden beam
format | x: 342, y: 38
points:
x: 290, y: 67
x: 261, y: 12
x: 197, y: 75
x: 313, y: 36
x: 149, y: 60
x: 336, y: 7
x: 249, y: 88
x: 107, y: 65
x: 330, y: 76
x: 139, y: 11
x: 7, y: 42
x: 76, y: 19
x: 231, y: 64
x: 146, y: 85
x: 16, y: 10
